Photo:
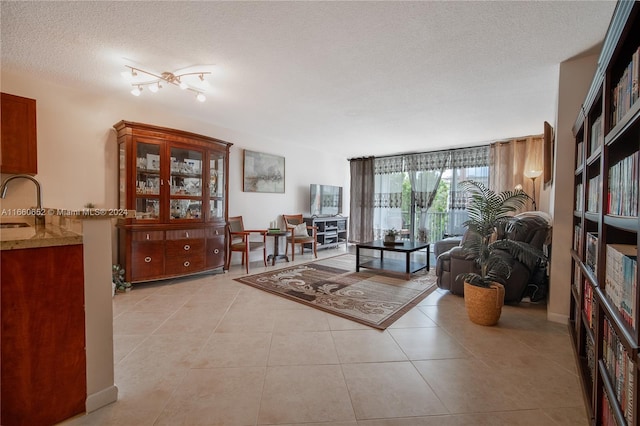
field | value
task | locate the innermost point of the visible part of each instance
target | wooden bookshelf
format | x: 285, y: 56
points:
x: 604, y: 320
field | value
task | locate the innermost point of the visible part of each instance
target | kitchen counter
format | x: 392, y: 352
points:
x: 37, y: 236
x: 62, y: 227
x: 73, y: 250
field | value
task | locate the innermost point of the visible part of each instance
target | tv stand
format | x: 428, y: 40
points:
x: 332, y: 230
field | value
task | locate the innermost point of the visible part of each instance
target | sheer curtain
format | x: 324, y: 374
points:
x: 388, y: 199
x: 361, y: 201
x: 466, y: 164
x: 511, y: 159
x: 425, y: 172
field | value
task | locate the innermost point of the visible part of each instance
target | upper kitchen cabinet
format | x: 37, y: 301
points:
x: 19, y: 143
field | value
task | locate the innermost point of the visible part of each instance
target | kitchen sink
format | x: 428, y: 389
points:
x: 14, y: 225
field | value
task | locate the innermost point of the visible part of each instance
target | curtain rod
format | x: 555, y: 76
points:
x: 451, y: 149
x: 414, y: 153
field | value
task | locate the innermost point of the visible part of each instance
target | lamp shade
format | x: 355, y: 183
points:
x: 532, y: 174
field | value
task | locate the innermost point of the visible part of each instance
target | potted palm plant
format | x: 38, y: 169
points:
x: 490, y: 214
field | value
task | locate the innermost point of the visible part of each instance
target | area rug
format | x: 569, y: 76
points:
x: 373, y: 298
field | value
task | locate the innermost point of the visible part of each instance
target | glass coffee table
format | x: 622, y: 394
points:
x: 408, y: 266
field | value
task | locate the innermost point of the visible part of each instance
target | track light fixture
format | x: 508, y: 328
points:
x: 154, y: 83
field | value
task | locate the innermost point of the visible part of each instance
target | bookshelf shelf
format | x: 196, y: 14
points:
x: 630, y: 118
x: 626, y: 223
x: 605, y: 297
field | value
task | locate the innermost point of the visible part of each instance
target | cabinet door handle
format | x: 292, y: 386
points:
x: 216, y: 251
x: 187, y: 233
x: 187, y: 247
x: 186, y: 264
x: 147, y: 236
x: 217, y: 232
x: 147, y: 259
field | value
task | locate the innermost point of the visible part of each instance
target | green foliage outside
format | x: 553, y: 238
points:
x: 442, y: 198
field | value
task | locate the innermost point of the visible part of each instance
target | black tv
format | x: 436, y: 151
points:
x: 325, y: 200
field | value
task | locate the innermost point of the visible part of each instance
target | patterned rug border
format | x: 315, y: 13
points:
x: 370, y: 273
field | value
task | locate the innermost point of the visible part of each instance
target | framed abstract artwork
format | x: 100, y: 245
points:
x: 548, y: 154
x: 262, y: 172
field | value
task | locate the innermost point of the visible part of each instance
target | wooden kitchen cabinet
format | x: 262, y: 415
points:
x: 43, y: 335
x: 176, y: 183
x: 18, y: 140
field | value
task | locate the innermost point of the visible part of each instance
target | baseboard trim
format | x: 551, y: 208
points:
x: 559, y: 318
x: 100, y: 399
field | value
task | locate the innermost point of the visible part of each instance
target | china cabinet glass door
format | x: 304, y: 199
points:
x: 216, y: 186
x: 185, y: 183
x: 147, y: 181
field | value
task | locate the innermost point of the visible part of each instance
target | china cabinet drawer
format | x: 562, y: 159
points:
x: 185, y: 264
x: 185, y: 234
x: 215, y: 232
x: 215, y: 252
x: 190, y: 247
x: 147, y: 260
x: 148, y: 236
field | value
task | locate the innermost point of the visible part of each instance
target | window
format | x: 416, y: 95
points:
x: 418, y: 194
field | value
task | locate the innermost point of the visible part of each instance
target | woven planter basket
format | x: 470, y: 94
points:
x: 484, y: 305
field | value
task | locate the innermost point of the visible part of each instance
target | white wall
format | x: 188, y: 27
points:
x: 77, y: 161
x: 575, y: 78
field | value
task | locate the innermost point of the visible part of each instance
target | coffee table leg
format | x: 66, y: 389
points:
x: 428, y: 256
x: 408, y: 263
x: 357, y: 259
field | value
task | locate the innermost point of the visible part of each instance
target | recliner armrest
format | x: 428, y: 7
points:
x: 459, y: 254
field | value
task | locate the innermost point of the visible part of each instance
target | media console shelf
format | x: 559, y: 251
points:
x: 332, y: 230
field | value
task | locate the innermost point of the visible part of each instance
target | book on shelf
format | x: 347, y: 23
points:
x: 591, y: 358
x: 579, y: 154
x: 576, y: 279
x: 593, y: 200
x: 620, y: 280
x: 627, y: 91
x: 620, y: 370
x: 589, y: 303
x: 622, y: 197
x: 579, y: 197
x: 591, y: 257
x: 577, y: 238
x: 597, y: 135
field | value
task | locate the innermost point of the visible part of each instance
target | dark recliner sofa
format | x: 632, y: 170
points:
x: 450, y: 264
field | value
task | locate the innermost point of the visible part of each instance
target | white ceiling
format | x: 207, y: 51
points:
x: 361, y: 78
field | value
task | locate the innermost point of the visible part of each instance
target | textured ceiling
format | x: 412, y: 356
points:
x: 361, y: 78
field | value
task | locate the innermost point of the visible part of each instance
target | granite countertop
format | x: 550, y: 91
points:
x: 37, y: 236
x: 62, y: 227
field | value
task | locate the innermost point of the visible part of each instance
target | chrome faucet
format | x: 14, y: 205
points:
x: 39, y: 216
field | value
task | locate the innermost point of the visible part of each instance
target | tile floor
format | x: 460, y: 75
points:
x: 211, y: 351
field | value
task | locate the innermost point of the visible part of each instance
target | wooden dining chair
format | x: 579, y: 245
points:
x: 239, y: 240
x: 300, y: 233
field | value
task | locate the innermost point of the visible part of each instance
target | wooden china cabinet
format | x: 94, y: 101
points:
x: 176, y: 182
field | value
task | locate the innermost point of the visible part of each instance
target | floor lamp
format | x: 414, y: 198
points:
x: 533, y: 175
